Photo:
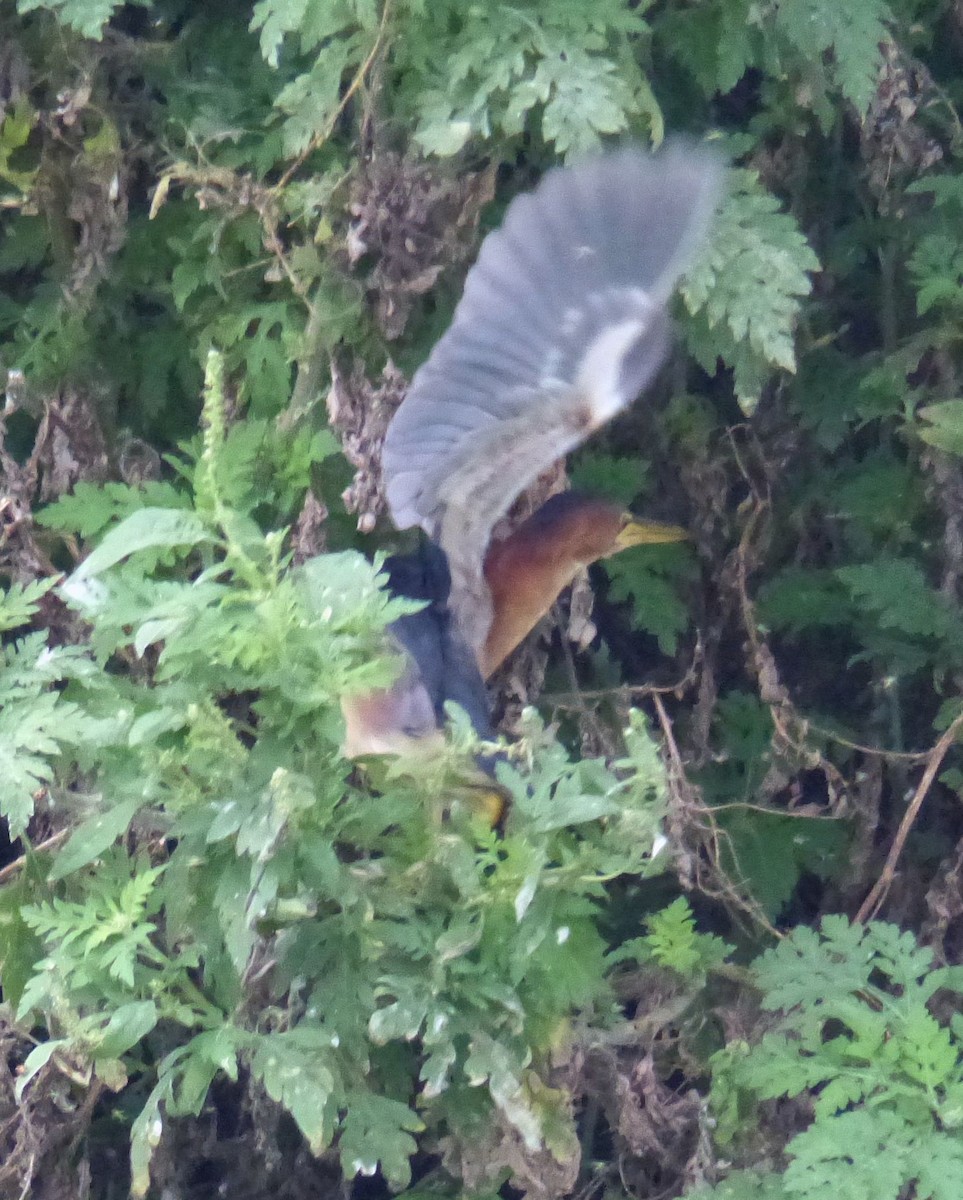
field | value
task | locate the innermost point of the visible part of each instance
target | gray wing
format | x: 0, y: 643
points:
x: 563, y: 321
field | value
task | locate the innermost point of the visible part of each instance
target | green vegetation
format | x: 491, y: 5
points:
x: 231, y: 959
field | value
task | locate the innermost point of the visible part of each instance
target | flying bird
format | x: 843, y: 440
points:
x: 564, y: 321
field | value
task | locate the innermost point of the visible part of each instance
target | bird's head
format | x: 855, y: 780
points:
x: 527, y: 570
x: 576, y: 529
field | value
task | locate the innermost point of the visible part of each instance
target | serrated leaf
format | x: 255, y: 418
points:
x: 799, y: 598
x: 276, y: 19
x: 310, y: 101
x: 852, y: 32
x: 584, y: 97
x: 205, y: 1056
x: 20, y: 948
x: 940, y: 1167
x: 639, y: 575
x: 718, y: 41
x: 18, y: 602
x: 863, y: 1151
x: 769, y: 852
x: 303, y: 1083
x: 377, y: 1130
x: 29, y: 734
x: 744, y: 290
x: 620, y: 480
x: 87, y: 17
x: 91, y: 507
x: 895, y: 590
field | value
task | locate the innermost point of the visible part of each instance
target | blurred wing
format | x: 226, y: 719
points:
x: 563, y: 321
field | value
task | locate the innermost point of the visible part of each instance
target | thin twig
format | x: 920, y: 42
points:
x: 320, y: 138
x: 19, y: 863
x: 677, y: 774
x: 873, y: 902
x: 667, y: 732
x: 626, y: 691
x: 907, y: 756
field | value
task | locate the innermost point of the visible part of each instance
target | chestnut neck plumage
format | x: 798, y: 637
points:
x: 526, y: 572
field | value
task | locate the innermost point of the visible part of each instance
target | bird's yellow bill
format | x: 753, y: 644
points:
x: 638, y: 532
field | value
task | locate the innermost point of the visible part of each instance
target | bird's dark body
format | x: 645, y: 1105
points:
x: 446, y: 664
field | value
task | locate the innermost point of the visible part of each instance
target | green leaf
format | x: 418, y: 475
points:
x: 402, y: 1019
x: 92, y: 837
x: 303, y: 1082
x: 945, y: 430
x: 799, y: 598
x: 148, y: 1126
x: 206, y: 1056
x: 743, y: 1185
x: 853, y: 32
x: 717, y: 42
x: 744, y: 291
x: 277, y: 19
x: 16, y: 125
x: 864, y: 1152
x: 673, y: 942
x: 91, y: 507
x: 556, y: 71
x: 86, y: 17
x: 18, y: 603
x: 584, y: 97
x: 441, y: 130
x: 620, y: 480
x: 895, y: 591
x: 29, y: 741
x: 35, y: 1061
x: 936, y: 266
x: 939, y: 1167
x: 643, y: 575
x: 310, y: 101
x: 849, y: 1024
x: 147, y: 528
x: 377, y: 1130
x: 128, y: 1024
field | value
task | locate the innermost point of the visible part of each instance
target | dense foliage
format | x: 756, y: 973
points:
x: 234, y: 963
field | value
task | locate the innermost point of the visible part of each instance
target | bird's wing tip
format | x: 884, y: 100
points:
x: 590, y: 237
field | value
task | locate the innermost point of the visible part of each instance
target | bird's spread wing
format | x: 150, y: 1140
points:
x: 563, y: 321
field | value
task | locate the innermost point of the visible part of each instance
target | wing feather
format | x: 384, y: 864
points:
x: 562, y: 322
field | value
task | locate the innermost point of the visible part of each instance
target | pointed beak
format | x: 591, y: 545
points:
x: 638, y: 532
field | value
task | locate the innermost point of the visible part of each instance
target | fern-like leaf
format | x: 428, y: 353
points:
x: 744, y: 292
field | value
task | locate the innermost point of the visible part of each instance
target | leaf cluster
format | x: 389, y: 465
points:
x: 422, y: 963
x: 853, y: 1029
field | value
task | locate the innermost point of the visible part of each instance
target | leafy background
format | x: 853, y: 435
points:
x: 713, y: 948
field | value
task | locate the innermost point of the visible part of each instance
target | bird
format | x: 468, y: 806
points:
x: 564, y: 320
